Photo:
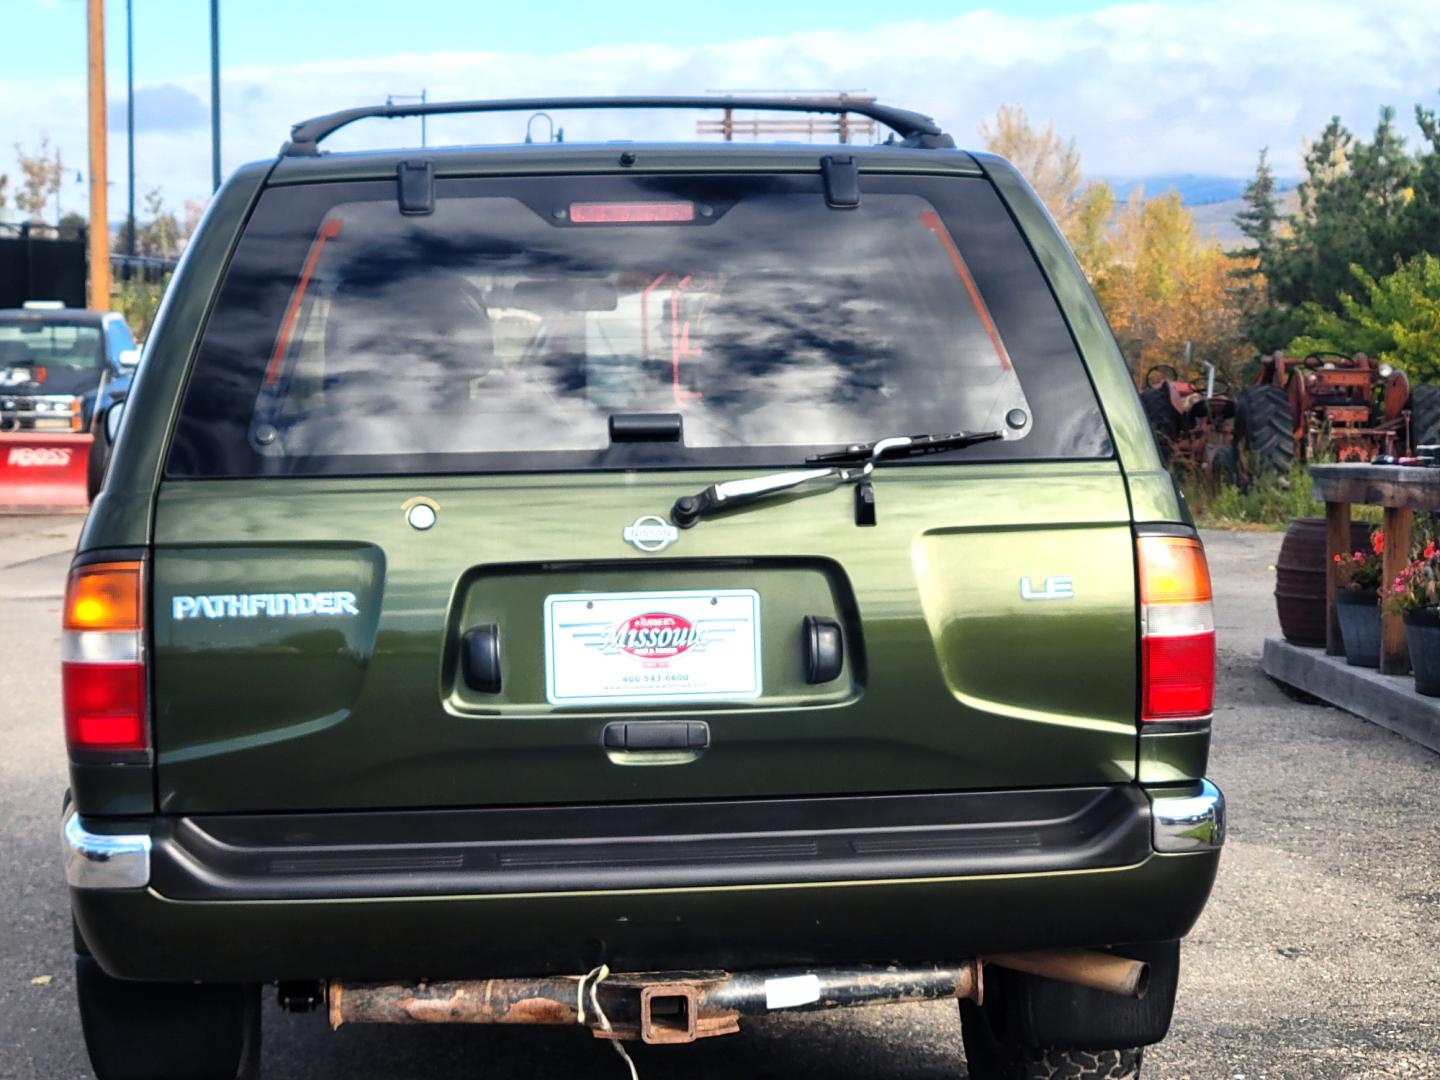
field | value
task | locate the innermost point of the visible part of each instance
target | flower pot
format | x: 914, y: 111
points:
x: 1422, y: 634
x: 1359, y: 613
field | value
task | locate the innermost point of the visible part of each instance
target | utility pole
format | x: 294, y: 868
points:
x: 99, y: 230
x: 214, y: 95
x: 130, y: 125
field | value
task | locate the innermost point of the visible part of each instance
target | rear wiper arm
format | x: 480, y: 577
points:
x: 850, y: 465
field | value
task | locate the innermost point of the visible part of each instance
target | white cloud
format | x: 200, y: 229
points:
x: 1143, y: 87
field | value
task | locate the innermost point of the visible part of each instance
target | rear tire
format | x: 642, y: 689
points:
x: 1264, y: 431
x: 167, y: 1031
x: 991, y: 1058
x: 1425, y: 416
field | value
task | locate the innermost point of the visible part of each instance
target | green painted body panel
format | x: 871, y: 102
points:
x: 1173, y: 757
x: 954, y: 682
x: 138, y: 934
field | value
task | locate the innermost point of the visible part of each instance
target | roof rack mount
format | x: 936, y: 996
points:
x: 913, y: 128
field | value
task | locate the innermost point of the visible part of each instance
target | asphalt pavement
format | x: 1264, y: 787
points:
x: 1317, y: 958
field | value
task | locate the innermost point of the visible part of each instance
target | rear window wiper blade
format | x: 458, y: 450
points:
x: 851, y: 465
x: 904, y: 446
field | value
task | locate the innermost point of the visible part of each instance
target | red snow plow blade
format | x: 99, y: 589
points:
x: 43, y: 471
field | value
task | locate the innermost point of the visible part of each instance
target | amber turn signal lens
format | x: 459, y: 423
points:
x: 1173, y: 571
x: 104, y: 596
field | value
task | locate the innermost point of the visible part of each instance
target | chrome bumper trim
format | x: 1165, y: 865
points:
x: 1189, y: 822
x: 103, y: 861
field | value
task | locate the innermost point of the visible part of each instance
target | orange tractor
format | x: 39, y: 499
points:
x: 1354, y: 406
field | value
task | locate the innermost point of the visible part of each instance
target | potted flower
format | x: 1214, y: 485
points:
x: 1415, y: 595
x: 1357, y: 602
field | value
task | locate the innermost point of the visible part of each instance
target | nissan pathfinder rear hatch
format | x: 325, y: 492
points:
x: 659, y: 573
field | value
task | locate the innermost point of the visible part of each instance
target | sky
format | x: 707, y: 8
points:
x: 1166, y: 86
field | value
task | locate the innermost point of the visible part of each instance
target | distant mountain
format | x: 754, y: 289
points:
x: 1216, y: 221
x: 1196, y: 189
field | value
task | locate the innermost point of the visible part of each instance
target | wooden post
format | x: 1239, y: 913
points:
x: 98, y: 295
x: 1337, y: 542
x: 1394, y: 654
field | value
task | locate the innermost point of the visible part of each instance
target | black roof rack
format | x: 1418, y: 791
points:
x: 913, y: 128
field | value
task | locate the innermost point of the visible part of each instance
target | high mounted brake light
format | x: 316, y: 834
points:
x: 631, y: 213
x: 1177, y: 630
x: 102, y: 664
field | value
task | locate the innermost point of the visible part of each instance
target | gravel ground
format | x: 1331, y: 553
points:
x: 1316, y: 958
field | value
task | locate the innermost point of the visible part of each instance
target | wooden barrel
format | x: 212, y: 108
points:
x: 1300, y: 578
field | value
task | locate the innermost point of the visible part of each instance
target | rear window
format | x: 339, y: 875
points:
x: 504, y: 330
x: 28, y: 342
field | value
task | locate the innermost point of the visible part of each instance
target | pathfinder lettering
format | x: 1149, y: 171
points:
x: 262, y: 605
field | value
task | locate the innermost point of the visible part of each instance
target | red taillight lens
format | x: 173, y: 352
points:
x: 102, y: 669
x: 105, y: 706
x: 1177, y: 630
x: 1179, y: 677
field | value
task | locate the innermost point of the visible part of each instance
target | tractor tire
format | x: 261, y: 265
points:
x: 1424, y: 416
x: 1164, y: 420
x: 1264, y: 435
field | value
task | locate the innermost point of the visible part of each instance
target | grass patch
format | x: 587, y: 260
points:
x: 1271, y: 501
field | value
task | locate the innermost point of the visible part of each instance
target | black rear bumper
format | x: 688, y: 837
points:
x: 678, y: 845
x: 465, y: 894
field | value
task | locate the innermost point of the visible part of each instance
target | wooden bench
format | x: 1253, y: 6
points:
x: 1401, y: 490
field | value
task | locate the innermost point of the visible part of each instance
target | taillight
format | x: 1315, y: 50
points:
x: 102, y: 665
x: 1177, y: 630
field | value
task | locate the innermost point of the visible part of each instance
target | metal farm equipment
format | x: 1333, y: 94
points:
x: 1353, y: 407
x: 1193, y: 426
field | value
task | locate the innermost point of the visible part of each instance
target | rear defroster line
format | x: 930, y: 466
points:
x: 931, y: 221
x: 328, y: 231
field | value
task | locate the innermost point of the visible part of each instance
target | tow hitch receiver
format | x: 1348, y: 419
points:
x: 680, y: 1007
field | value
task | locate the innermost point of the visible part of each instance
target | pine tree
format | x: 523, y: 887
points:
x: 1268, y: 324
x: 1260, y: 219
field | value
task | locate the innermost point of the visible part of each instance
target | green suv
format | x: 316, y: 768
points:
x: 641, y: 586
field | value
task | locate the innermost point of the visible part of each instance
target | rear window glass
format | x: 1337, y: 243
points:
x: 32, y: 343
x: 505, y: 330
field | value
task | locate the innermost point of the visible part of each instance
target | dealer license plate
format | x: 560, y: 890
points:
x: 652, y: 647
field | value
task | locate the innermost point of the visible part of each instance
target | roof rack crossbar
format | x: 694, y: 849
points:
x: 912, y: 127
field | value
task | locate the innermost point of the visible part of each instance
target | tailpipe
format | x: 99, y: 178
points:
x: 1084, y: 967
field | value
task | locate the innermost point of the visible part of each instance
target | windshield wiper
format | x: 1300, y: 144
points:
x: 851, y: 465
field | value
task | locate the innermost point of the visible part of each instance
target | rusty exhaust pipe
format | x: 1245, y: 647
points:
x: 1084, y: 967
